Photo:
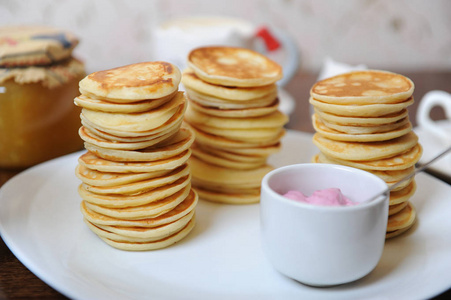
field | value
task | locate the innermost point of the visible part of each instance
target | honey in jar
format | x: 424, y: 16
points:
x: 38, y: 82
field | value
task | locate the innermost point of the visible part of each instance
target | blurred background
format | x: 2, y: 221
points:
x: 403, y: 35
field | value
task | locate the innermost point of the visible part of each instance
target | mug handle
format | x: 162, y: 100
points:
x: 429, y: 101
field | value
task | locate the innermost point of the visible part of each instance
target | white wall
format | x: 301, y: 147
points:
x: 385, y: 34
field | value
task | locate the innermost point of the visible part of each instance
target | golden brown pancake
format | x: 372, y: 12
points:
x: 228, y: 197
x: 116, y: 134
x: 169, y: 148
x: 213, y: 158
x: 176, y: 213
x: 363, y: 87
x: 191, y: 81
x: 398, y: 162
x: 139, y: 234
x: 356, y: 151
x: 401, y: 221
x: 216, y: 175
x: 232, y: 66
x: 141, y: 186
x: 146, y: 246
x: 247, y: 155
x: 272, y: 120
x: 137, y: 122
x: 141, y: 81
x: 91, y: 138
x: 221, y: 103
x: 362, y: 129
x: 149, y: 210
x: 367, y: 110
x: 131, y: 200
x: 165, y: 129
x: 404, y: 194
x: 215, y: 141
x: 361, y: 121
x: 94, y: 162
x: 134, y: 107
x: 395, y: 208
x: 236, y: 113
x: 333, y: 134
x: 96, y: 178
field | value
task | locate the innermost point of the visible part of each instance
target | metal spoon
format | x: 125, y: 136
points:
x: 387, y: 191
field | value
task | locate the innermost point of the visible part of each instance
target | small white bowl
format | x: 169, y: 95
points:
x: 323, y: 245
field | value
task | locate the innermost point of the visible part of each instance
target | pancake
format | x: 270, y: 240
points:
x: 149, y: 210
x: 360, y: 137
x: 259, y: 154
x: 228, y: 177
x: 94, y: 162
x: 236, y: 113
x: 401, y: 221
x: 404, y: 194
x: 398, y: 162
x: 215, y: 141
x: 142, y: 186
x: 108, y: 179
x: 138, y: 121
x: 263, y: 151
x: 395, y: 208
x: 92, y: 139
x: 228, y: 198
x: 398, y: 232
x: 368, y: 110
x: 186, y: 206
x: 365, y: 151
x: 231, y: 66
x: 171, y: 147
x: 126, y: 135
x: 140, y: 81
x: 275, y: 119
x: 212, y: 158
x: 226, y: 189
x: 362, y: 129
x: 361, y: 121
x: 363, y: 87
x: 395, y: 175
x: 146, y: 246
x: 139, y: 234
x: 220, y: 103
x: 131, y: 200
x: 253, y: 135
x: 164, y: 130
x: 133, y: 107
x: 193, y: 82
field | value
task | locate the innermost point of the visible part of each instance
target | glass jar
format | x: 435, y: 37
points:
x: 38, y: 118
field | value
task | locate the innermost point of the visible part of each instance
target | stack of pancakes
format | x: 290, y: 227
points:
x: 136, y: 184
x: 233, y: 109
x: 361, y: 121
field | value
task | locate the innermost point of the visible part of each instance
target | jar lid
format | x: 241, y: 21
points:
x: 49, y: 76
x: 22, y: 46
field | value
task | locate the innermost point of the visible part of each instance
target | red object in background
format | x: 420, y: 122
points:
x: 270, y: 41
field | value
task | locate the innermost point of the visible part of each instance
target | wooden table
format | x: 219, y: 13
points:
x: 17, y: 282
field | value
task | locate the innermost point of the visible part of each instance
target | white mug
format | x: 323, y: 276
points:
x: 429, y: 101
x: 174, y: 39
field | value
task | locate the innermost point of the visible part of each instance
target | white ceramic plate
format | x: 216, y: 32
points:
x: 432, y: 146
x: 41, y: 223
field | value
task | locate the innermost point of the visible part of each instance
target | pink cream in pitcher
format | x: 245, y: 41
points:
x: 326, y: 197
